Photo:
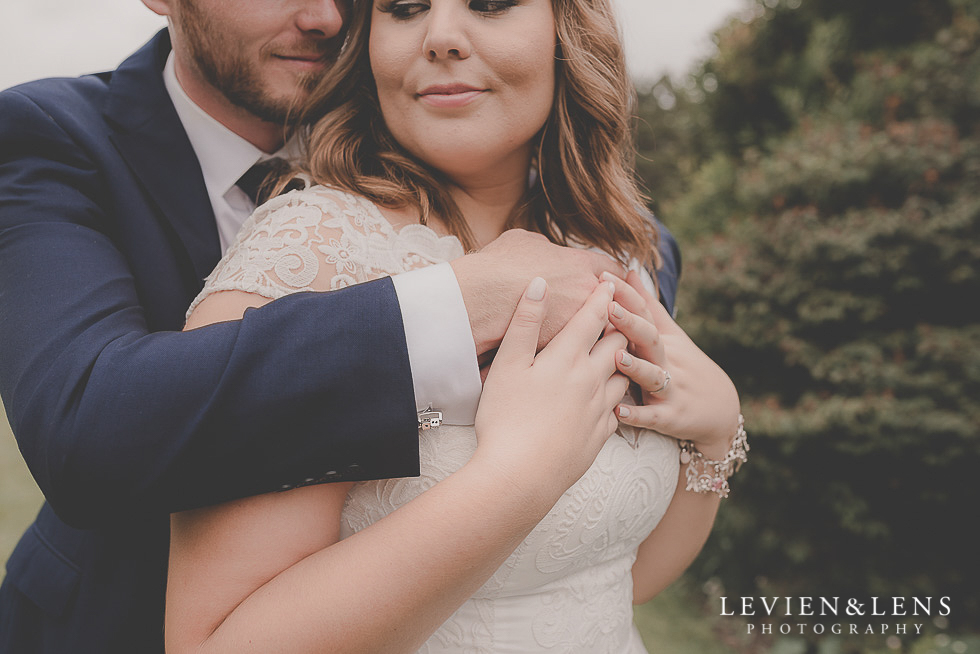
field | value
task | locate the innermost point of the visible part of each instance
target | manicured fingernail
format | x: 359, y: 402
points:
x: 617, y: 310
x: 624, y: 411
x: 626, y: 359
x: 607, y: 276
x: 535, y: 290
x: 611, y: 287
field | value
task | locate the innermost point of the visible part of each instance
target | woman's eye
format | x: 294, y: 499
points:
x: 491, y: 6
x: 404, y: 9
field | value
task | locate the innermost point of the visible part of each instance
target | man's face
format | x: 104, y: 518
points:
x: 263, y: 56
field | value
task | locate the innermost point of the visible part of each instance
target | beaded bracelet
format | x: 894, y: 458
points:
x: 705, y: 476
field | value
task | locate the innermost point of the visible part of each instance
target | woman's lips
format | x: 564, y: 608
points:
x: 450, y: 95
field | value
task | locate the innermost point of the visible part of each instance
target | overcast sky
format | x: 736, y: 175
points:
x: 45, y: 38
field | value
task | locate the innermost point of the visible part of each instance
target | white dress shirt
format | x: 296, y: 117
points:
x: 441, y: 351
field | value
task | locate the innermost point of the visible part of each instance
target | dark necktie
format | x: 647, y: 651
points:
x: 258, y: 181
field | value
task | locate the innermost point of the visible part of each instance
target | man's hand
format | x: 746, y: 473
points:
x: 493, y: 279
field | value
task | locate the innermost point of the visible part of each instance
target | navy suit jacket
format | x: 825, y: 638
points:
x: 106, y: 234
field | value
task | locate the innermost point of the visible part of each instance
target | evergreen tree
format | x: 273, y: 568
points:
x: 823, y: 173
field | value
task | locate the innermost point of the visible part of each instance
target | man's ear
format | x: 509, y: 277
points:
x: 160, y: 7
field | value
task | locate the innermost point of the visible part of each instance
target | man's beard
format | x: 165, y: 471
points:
x: 227, y: 70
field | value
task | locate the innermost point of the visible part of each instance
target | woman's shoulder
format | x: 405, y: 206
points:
x: 307, y: 239
x: 321, y: 238
x: 316, y: 218
x: 312, y: 208
x: 343, y: 223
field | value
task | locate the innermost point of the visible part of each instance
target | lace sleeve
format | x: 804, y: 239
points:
x: 320, y: 239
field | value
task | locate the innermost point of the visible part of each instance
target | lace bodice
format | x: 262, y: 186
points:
x: 568, y: 586
x: 321, y: 239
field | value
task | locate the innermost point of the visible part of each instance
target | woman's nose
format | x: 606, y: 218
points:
x: 446, y: 35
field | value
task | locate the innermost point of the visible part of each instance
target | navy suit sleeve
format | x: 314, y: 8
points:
x: 669, y: 273
x: 114, y: 420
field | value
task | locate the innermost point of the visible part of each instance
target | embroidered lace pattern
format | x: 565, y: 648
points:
x: 321, y: 238
x: 567, y: 588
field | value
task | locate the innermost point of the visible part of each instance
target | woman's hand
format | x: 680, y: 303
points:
x: 541, y: 422
x: 699, y: 403
x: 549, y: 414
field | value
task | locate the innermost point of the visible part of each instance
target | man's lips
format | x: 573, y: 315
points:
x: 304, y: 60
x: 450, y: 95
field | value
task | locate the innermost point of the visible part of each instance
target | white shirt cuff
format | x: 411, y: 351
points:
x: 440, y: 344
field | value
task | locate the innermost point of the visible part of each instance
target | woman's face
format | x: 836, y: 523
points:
x: 465, y: 84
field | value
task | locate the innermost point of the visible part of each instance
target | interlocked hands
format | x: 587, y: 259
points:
x: 548, y: 414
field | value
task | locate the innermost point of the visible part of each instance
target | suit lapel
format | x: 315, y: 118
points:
x: 149, y: 136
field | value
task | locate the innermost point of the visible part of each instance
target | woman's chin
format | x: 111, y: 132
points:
x: 461, y: 162
x: 472, y: 162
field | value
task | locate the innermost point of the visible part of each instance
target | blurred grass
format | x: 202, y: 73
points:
x: 19, y: 495
x: 673, y: 622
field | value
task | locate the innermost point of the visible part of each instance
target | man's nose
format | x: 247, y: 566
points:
x: 320, y: 18
x: 446, y: 34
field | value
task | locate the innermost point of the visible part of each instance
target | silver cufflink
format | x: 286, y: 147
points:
x: 429, y: 419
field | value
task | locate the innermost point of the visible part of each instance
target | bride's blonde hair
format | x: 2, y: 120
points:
x: 584, y: 191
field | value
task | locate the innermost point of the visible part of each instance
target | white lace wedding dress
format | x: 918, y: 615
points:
x: 567, y: 588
